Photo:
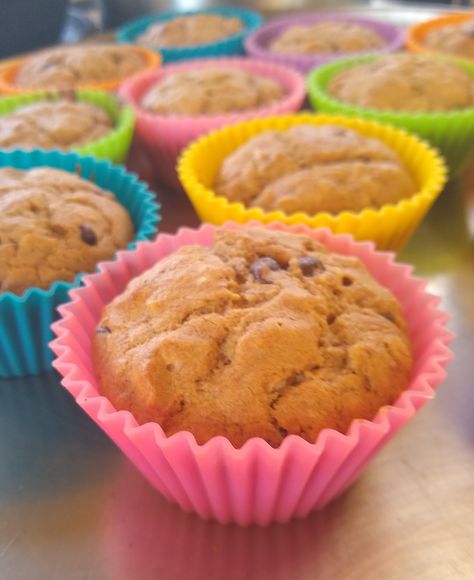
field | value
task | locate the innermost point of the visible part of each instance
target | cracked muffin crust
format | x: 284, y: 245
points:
x: 210, y: 91
x: 314, y: 168
x: 190, y: 30
x: 327, y: 37
x: 264, y: 334
x: 53, y: 225
x: 54, y: 124
x: 69, y: 67
x: 455, y: 39
x: 405, y: 82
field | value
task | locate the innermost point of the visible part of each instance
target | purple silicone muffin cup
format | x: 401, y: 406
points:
x: 256, y: 45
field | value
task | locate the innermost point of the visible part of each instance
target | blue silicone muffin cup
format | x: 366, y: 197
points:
x: 226, y: 47
x: 25, y: 320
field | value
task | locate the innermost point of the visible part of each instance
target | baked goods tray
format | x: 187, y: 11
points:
x: 72, y: 507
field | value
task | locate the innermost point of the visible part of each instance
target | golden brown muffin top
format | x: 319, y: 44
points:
x: 190, y: 30
x: 314, y: 168
x: 264, y: 334
x: 53, y: 225
x: 327, y: 37
x: 455, y: 39
x: 54, y: 124
x: 210, y: 91
x: 405, y: 82
x: 69, y: 67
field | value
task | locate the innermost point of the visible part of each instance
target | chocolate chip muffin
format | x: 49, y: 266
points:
x: 314, y: 168
x: 328, y: 37
x: 68, y: 67
x: 210, y: 91
x: 190, y: 30
x: 53, y: 225
x: 54, y: 124
x: 455, y: 39
x: 405, y: 82
x: 277, y: 336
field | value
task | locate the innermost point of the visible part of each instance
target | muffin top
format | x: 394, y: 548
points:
x: 405, y: 82
x: 327, y: 37
x: 279, y: 336
x: 68, y: 67
x: 314, y: 168
x: 190, y: 30
x: 54, y: 124
x: 210, y: 91
x: 53, y: 225
x: 455, y: 39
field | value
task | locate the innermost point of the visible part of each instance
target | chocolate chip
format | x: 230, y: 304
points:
x: 295, y: 379
x: 310, y: 265
x: 103, y: 330
x: 330, y: 319
x: 261, y: 266
x: 346, y: 281
x: 388, y: 316
x: 88, y: 235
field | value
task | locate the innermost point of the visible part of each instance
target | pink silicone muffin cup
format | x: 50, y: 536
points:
x: 256, y: 483
x: 257, y: 44
x: 165, y: 136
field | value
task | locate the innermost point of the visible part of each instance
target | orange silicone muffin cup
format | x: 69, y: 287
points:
x: 417, y: 33
x: 9, y: 71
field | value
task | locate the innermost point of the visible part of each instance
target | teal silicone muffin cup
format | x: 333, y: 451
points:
x: 114, y: 146
x: 451, y: 132
x: 231, y: 46
x: 25, y: 320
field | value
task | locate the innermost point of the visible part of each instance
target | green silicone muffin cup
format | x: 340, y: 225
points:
x: 451, y: 132
x: 114, y: 146
x: 25, y: 320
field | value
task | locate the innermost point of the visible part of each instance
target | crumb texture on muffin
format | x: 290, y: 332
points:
x: 264, y: 334
x: 209, y: 91
x: 54, y: 124
x: 68, y: 67
x: 53, y: 225
x: 190, y: 30
x: 314, y: 168
x: 405, y: 82
x: 327, y: 37
x: 455, y: 39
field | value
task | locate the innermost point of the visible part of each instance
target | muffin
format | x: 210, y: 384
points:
x: 67, y: 67
x: 327, y: 37
x: 279, y: 336
x: 405, y: 82
x: 54, y: 225
x: 210, y: 91
x: 54, y: 124
x: 314, y: 168
x: 455, y: 39
x: 191, y: 30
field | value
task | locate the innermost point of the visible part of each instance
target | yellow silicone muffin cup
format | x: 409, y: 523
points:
x: 389, y: 227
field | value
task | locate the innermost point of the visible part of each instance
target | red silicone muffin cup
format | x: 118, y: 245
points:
x: 256, y: 483
x: 165, y: 136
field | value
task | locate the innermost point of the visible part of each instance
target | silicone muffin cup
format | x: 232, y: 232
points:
x: 165, y: 136
x: 9, y: 71
x: 113, y: 146
x: 231, y: 46
x: 255, y: 483
x: 389, y: 227
x: 451, y: 132
x: 416, y: 34
x: 257, y: 44
x: 25, y: 320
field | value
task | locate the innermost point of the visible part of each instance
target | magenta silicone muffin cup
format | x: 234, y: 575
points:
x: 257, y: 44
x: 255, y: 483
x: 165, y: 136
